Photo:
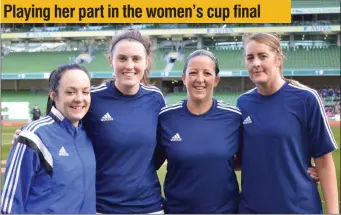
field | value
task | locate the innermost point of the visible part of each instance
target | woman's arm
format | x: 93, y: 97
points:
x: 327, y: 174
x: 22, y: 163
x: 159, y: 153
x: 321, y: 145
x: 159, y: 157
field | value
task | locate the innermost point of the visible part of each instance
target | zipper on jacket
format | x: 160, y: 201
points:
x: 83, y: 173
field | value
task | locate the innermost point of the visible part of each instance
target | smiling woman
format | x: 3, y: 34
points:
x: 200, y: 76
x: 52, y: 154
x: 122, y: 123
x: 129, y: 62
x: 199, y: 137
x: 130, y: 57
x: 69, y: 92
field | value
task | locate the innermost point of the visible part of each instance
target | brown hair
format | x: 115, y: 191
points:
x: 271, y: 40
x: 202, y: 52
x: 135, y: 35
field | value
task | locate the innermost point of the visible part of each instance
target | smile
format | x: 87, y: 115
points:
x: 199, y: 88
x: 77, y: 107
x: 129, y: 74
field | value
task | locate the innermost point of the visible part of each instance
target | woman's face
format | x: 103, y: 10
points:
x: 129, y: 61
x: 200, y: 78
x: 73, y: 96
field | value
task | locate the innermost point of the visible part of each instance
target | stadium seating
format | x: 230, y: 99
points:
x: 296, y: 58
x: 174, y: 98
x: 300, y: 57
x: 229, y: 98
x: 40, y: 99
x: 46, y: 62
x: 315, y: 3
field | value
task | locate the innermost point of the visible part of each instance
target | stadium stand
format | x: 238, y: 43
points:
x: 298, y: 57
x: 331, y: 99
x: 311, y: 46
x: 312, y: 50
x: 315, y: 3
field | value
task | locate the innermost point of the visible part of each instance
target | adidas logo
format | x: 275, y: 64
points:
x: 106, y: 117
x: 247, y: 120
x: 176, y: 137
x: 62, y: 152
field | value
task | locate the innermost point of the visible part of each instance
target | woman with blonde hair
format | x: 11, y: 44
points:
x: 284, y: 127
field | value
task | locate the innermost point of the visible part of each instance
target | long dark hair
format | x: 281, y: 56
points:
x: 54, y: 81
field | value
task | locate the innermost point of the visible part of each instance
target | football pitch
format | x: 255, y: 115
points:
x: 7, y: 135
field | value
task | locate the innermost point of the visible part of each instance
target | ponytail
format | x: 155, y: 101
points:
x: 291, y: 81
x: 49, y: 105
x: 145, y: 80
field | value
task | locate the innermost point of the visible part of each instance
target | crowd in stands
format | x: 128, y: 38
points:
x: 331, y: 99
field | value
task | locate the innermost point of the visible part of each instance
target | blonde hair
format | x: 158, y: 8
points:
x: 271, y: 40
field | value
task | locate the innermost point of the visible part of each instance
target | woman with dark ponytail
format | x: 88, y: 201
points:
x: 51, y: 167
x: 50, y: 103
x: 122, y: 124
